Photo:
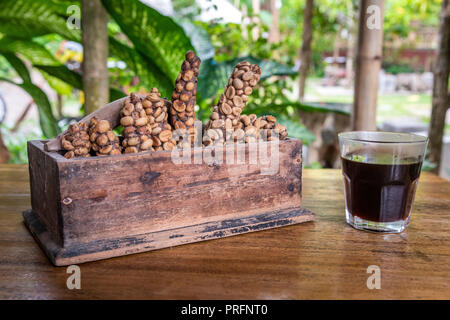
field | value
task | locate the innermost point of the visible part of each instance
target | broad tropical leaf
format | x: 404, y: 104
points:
x: 30, y: 18
x: 115, y: 94
x: 214, y: 75
x: 308, y: 107
x: 145, y: 69
x: 61, y: 87
x: 34, y: 52
x: 155, y: 36
x: 297, y: 130
x: 74, y: 79
x: 200, y: 40
x: 18, y: 65
x: 63, y: 73
x: 46, y: 119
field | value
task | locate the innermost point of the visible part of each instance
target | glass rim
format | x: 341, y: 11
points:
x: 409, y: 138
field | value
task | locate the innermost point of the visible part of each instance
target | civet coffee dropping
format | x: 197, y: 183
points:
x: 156, y: 109
x: 182, y: 115
x: 264, y: 127
x: 103, y: 140
x: 136, y: 134
x: 225, y: 117
x: 76, y: 141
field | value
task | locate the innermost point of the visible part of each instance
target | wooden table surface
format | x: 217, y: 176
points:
x: 324, y: 259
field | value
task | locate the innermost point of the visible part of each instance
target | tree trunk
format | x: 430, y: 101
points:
x: 350, y: 45
x: 95, y: 54
x: 440, y: 99
x: 274, y: 32
x: 368, y: 64
x: 305, y: 52
x: 256, y: 8
x: 4, y: 152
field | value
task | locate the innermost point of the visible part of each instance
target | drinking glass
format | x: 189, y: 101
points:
x: 380, y: 172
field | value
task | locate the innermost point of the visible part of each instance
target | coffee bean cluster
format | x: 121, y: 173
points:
x: 182, y: 116
x: 136, y: 136
x: 225, y: 117
x: 256, y: 128
x: 103, y: 140
x: 156, y: 109
x: 148, y: 122
x: 76, y: 141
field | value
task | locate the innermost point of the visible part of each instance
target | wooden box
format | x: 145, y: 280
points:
x: 99, y: 207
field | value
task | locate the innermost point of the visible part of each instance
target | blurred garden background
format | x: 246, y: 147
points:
x: 307, y: 50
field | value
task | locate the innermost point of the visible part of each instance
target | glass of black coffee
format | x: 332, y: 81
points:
x: 380, y: 172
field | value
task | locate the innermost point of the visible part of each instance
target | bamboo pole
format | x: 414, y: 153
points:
x: 440, y: 98
x: 368, y: 64
x: 94, y: 21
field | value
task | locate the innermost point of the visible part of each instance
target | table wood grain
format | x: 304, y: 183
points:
x: 324, y: 259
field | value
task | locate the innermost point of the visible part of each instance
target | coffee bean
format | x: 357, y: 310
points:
x: 179, y: 106
x: 237, y: 83
x: 131, y: 150
x: 185, y: 97
x: 188, y: 75
x: 226, y: 109
x: 217, y: 123
x: 165, y: 135
x: 247, y: 76
x: 237, y: 111
x: 179, y: 125
x: 190, y: 122
x: 141, y: 121
x: 126, y: 121
x: 237, y: 101
x: 156, y: 141
x: 214, y: 116
x: 107, y: 149
x: 271, y: 118
x: 160, y: 117
x: 101, y: 140
x: 189, y: 86
x: 230, y: 92
x: 147, y: 144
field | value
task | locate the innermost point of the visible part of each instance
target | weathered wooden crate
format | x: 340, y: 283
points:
x: 99, y: 207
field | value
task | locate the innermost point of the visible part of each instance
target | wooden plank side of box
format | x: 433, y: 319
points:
x: 103, y: 198
x: 44, y: 187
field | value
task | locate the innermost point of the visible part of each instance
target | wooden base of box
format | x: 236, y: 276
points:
x: 96, y: 250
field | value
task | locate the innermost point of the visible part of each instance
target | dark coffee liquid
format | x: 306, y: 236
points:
x: 380, y: 192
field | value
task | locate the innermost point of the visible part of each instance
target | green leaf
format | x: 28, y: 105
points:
x: 74, y: 79
x: 31, y: 18
x: 63, y: 73
x: 297, y: 130
x: 18, y: 65
x: 214, y: 75
x: 57, y: 84
x: 154, y: 35
x: 115, y: 94
x: 34, y: 52
x: 46, y: 119
x: 200, y: 40
x: 339, y: 108
x: 144, y: 68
